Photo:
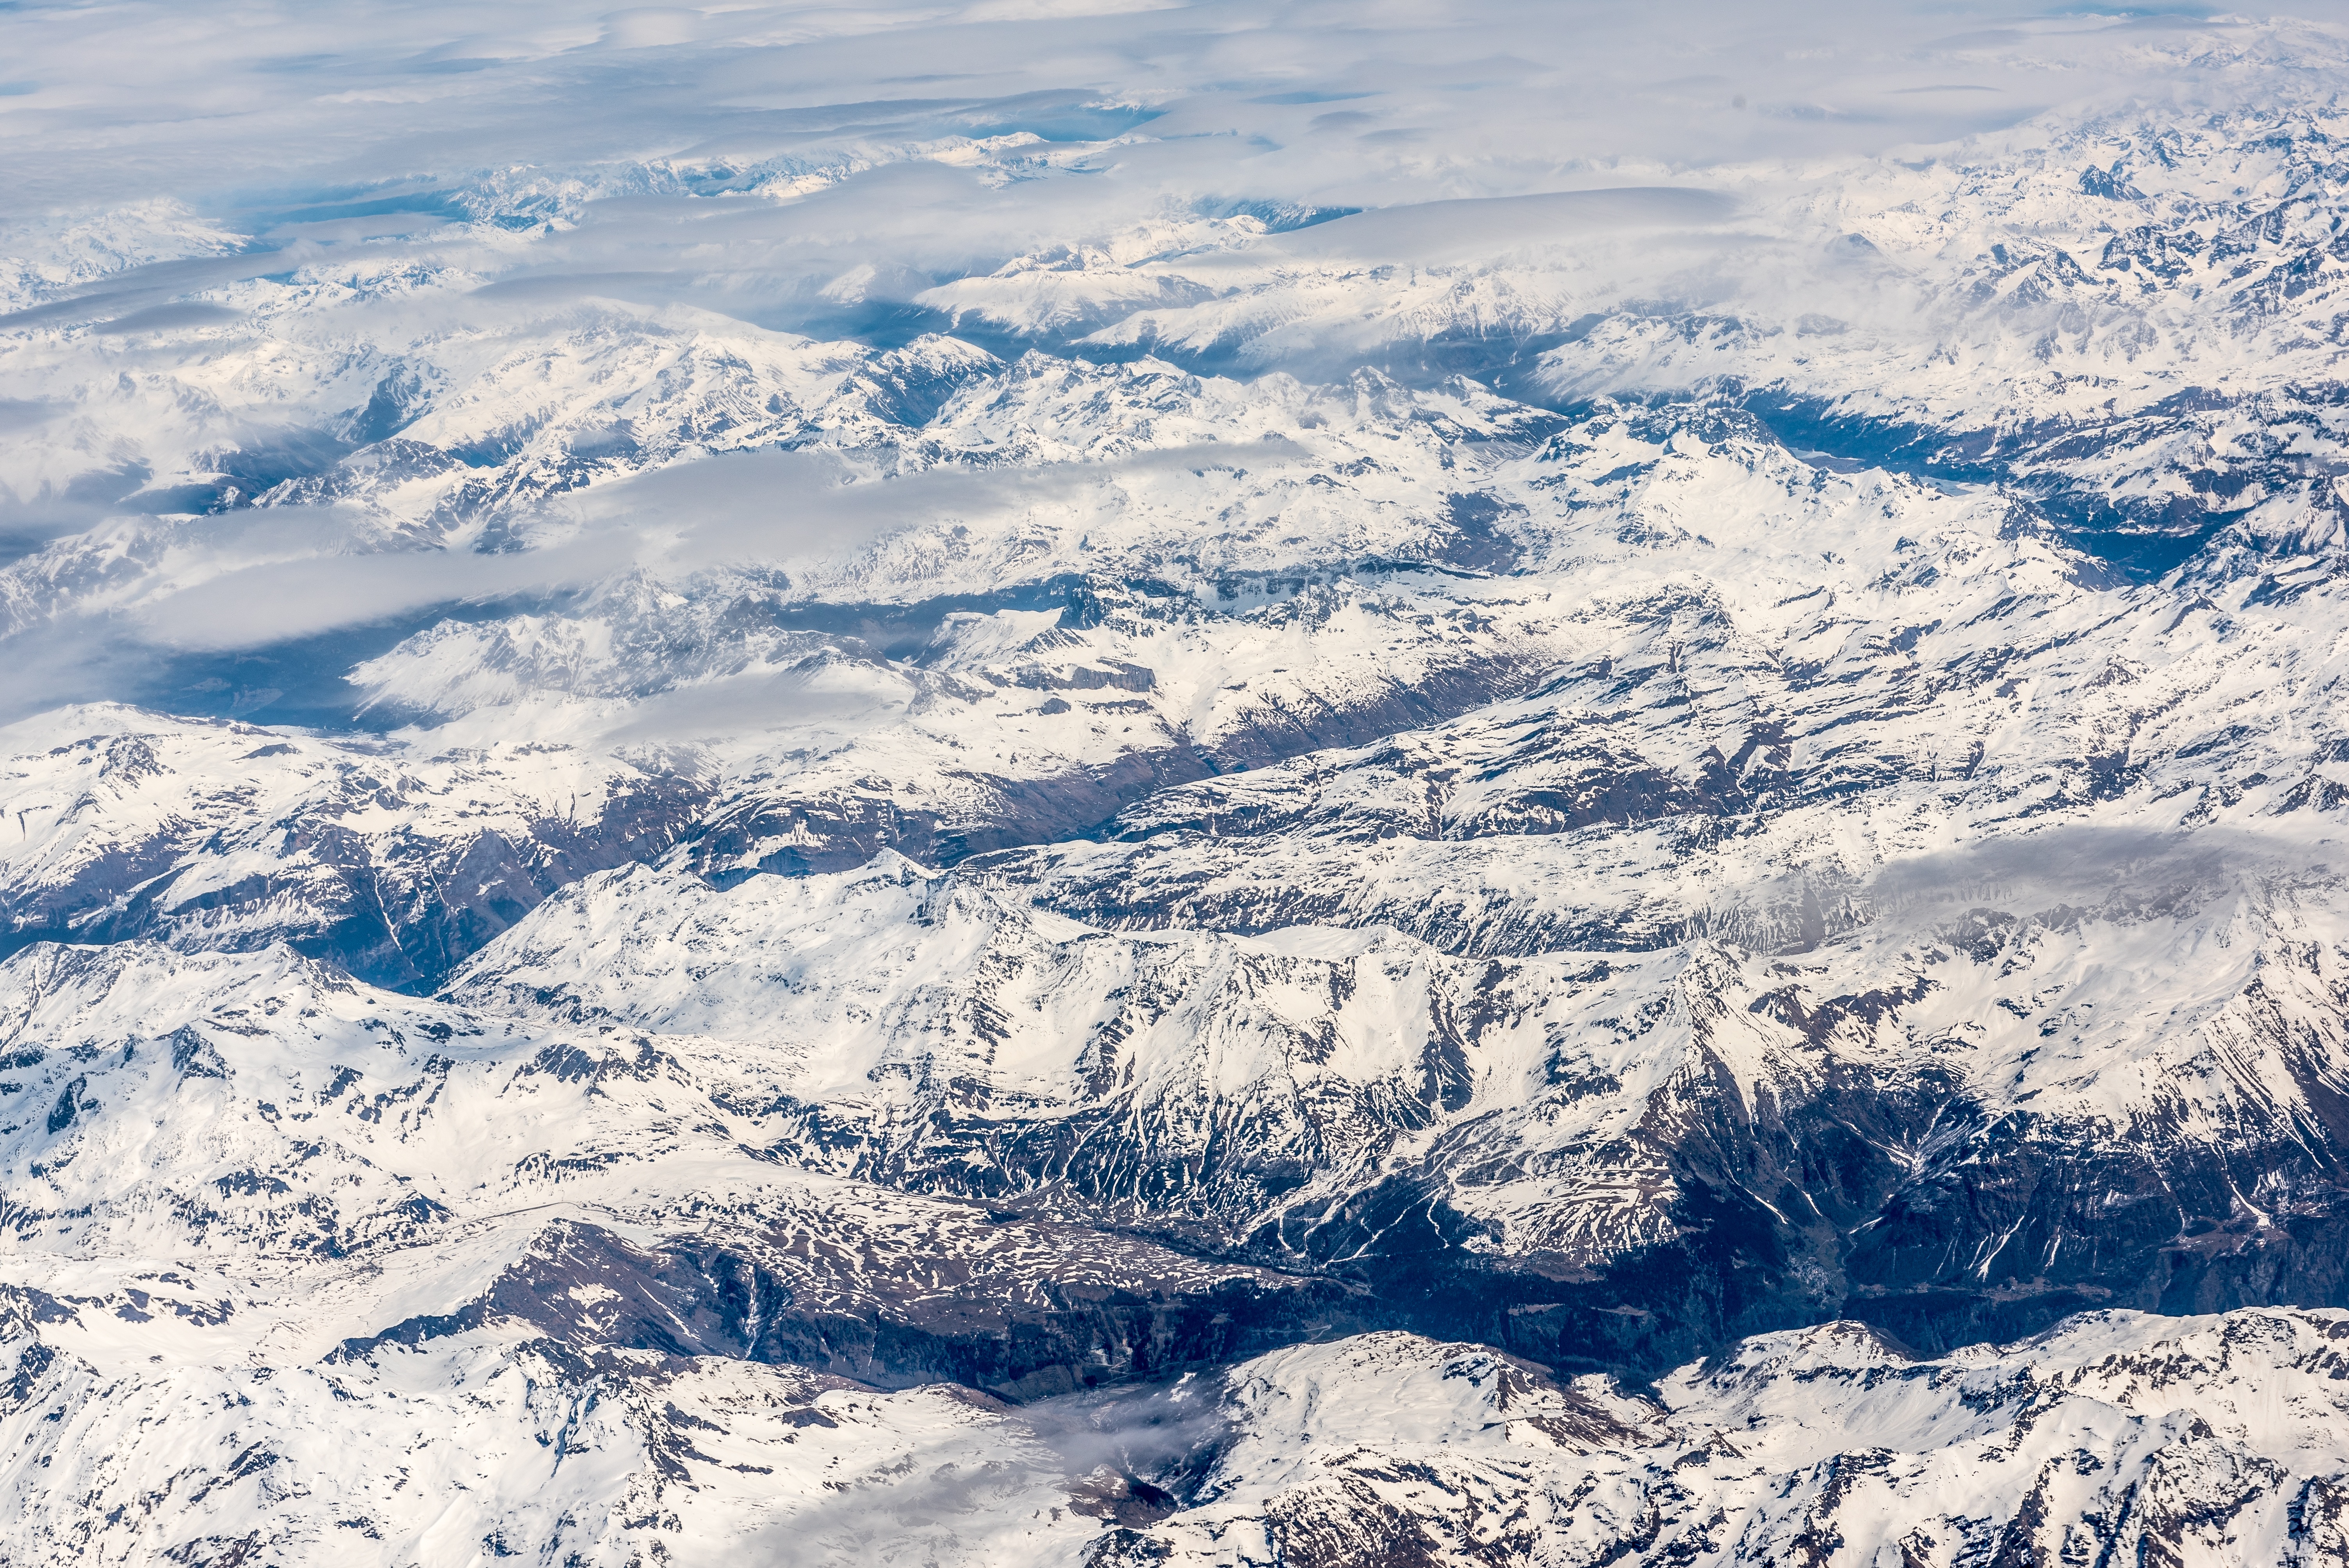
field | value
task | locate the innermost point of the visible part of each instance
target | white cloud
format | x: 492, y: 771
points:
x: 197, y: 176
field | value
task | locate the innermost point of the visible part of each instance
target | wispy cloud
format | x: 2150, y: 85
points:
x: 439, y: 181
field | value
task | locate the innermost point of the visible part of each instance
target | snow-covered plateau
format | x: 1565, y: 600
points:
x: 1127, y: 784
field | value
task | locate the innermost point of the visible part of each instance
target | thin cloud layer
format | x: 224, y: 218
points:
x: 245, y: 241
x: 269, y: 110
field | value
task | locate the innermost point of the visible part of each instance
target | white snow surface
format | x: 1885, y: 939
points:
x: 1825, y: 1444
x: 802, y: 785
x: 2213, y: 1440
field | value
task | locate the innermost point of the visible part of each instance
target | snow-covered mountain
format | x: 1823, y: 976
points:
x: 2203, y: 1439
x: 1306, y: 789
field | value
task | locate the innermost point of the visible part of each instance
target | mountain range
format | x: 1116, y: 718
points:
x: 1642, y: 863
